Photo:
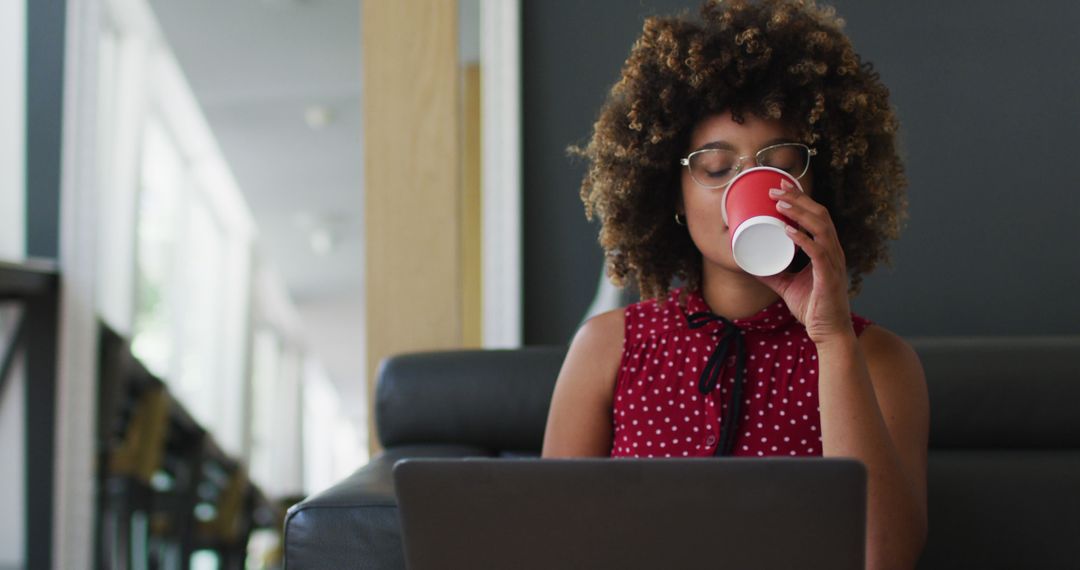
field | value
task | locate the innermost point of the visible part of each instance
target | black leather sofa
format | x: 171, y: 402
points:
x: 1004, y: 466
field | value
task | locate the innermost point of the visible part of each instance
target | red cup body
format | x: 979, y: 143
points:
x: 758, y: 241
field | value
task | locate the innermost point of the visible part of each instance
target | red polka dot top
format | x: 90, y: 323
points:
x: 677, y: 380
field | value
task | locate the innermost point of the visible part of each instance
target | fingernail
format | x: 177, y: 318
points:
x: 783, y: 204
x: 775, y: 192
x: 790, y: 229
x: 786, y: 184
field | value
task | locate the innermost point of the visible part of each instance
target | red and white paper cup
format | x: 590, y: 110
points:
x: 759, y: 243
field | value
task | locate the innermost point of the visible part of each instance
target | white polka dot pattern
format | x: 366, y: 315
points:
x: 658, y: 411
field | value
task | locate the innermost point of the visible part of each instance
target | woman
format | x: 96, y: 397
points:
x: 776, y: 83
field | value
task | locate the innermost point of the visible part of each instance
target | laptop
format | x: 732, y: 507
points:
x: 626, y: 513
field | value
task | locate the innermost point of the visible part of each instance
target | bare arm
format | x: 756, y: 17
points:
x: 875, y: 408
x: 579, y: 420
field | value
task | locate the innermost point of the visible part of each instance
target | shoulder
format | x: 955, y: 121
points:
x: 898, y: 379
x: 595, y: 353
x: 579, y: 418
x: 902, y: 395
x: 603, y: 329
x: 884, y: 347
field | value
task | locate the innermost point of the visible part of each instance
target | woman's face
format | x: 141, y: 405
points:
x: 701, y: 204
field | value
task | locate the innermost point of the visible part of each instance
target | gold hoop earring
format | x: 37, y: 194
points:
x: 680, y: 222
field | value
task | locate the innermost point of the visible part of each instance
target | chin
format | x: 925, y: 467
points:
x: 718, y: 253
x: 717, y: 259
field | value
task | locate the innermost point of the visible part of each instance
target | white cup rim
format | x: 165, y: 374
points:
x: 781, y: 261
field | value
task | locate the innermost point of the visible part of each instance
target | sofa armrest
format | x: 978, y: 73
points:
x: 354, y: 524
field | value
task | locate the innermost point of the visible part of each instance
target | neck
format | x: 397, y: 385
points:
x: 734, y: 294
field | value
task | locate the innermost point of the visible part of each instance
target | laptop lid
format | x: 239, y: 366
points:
x: 770, y: 513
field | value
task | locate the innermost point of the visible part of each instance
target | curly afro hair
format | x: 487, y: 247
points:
x: 786, y: 60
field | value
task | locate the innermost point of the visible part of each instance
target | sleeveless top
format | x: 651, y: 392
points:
x: 663, y: 407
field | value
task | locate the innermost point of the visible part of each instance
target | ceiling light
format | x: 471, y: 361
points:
x: 322, y: 242
x: 318, y: 116
x: 322, y: 231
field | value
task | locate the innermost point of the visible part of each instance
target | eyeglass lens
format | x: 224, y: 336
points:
x: 716, y: 167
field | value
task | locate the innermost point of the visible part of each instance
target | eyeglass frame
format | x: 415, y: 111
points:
x: 810, y: 152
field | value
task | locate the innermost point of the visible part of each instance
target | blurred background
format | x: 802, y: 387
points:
x: 216, y: 218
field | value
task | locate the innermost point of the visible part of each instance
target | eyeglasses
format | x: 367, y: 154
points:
x: 716, y: 167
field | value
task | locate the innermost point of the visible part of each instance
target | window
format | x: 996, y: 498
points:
x: 201, y: 274
x: 154, y: 328
x: 275, y: 388
x: 179, y: 273
x: 121, y: 66
x: 192, y: 282
x: 330, y: 440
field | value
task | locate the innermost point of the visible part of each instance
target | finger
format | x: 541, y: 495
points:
x: 821, y: 255
x: 808, y: 220
x: 817, y: 222
x: 792, y: 194
x: 812, y: 248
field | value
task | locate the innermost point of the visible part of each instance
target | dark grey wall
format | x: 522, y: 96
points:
x: 45, y: 43
x: 989, y: 103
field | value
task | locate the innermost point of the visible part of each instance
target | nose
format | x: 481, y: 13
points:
x: 745, y: 162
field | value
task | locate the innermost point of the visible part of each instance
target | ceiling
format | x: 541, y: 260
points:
x: 261, y: 70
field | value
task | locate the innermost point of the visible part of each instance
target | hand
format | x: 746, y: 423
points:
x: 817, y: 295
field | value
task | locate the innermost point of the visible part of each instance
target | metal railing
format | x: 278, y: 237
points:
x: 33, y: 286
x: 158, y: 465
x: 132, y: 406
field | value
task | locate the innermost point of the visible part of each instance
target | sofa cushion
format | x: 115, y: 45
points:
x: 1002, y: 392
x: 1003, y: 508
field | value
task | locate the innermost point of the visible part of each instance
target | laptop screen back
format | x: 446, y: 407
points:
x: 772, y: 513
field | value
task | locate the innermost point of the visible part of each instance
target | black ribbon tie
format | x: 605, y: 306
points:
x: 731, y: 334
